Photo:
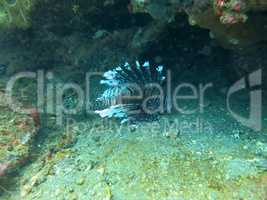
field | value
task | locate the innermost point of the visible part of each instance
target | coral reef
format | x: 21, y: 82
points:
x: 236, y: 24
x: 229, y: 31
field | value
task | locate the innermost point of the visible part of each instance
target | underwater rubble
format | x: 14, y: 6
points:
x: 143, y: 163
x: 17, y: 133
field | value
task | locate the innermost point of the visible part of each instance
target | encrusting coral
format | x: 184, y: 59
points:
x: 236, y: 24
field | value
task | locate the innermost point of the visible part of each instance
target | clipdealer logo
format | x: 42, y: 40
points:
x: 50, y: 96
x: 252, y: 83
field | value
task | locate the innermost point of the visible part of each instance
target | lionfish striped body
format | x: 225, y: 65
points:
x: 134, y: 92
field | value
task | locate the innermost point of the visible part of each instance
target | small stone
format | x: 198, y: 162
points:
x: 245, y: 147
x: 133, y: 128
x: 73, y: 197
x: 101, y: 170
x: 100, y: 34
x: 172, y: 134
x: 71, y: 190
x: 90, y: 165
x: 26, y: 190
x: 81, y: 181
x: 58, y: 192
x: 236, y: 136
x: 259, y: 144
x: 211, y: 35
x: 234, y: 41
x: 192, y: 21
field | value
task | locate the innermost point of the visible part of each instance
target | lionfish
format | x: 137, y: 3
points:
x: 135, y: 93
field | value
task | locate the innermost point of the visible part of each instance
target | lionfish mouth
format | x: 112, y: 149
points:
x: 134, y: 93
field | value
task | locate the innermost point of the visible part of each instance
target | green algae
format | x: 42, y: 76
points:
x: 15, y: 13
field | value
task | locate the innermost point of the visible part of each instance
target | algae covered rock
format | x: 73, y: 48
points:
x: 236, y: 24
x: 15, y: 13
x: 16, y: 136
